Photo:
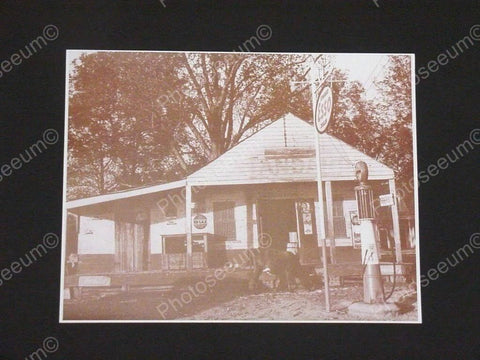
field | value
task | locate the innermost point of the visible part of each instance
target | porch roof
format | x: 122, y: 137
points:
x: 124, y: 194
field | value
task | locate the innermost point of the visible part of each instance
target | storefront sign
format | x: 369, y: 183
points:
x: 386, y: 200
x: 200, y: 221
x: 323, y: 111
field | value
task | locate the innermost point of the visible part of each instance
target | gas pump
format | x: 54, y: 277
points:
x: 372, y: 277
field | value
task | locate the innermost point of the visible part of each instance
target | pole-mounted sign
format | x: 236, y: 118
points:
x: 323, y: 110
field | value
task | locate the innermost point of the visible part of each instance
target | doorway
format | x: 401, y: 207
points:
x: 131, y: 242
x: 277, y: 219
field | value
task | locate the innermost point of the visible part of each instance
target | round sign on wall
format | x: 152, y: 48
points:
x: 200, y: 221
x: 323, y: 110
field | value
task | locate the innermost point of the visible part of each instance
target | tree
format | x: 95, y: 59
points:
x: 138, y: 118
x: 117, y: 119
x: 394, y: 111
x: 381, y: 127
x: 353, y: 120
x: 231, y: 95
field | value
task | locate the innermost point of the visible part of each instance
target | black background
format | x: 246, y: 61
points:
x: 32, y: 100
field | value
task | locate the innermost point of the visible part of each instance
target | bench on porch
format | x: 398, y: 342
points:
x: 76, y: 284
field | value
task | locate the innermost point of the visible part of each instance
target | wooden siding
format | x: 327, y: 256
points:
x: 284, y: 152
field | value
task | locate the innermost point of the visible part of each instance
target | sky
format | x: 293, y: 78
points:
x: 363, y: 67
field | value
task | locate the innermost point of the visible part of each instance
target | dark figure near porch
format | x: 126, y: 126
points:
x: 72, y: 264
x: 284, y: 265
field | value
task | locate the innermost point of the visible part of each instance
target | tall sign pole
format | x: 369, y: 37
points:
x: 322, y: 111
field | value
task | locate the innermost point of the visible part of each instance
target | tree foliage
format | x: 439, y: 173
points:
x: 394, y: 111
x: 229, y: 96
x: 141, y: 118
x: 117, y: 121
x: 353, y: 120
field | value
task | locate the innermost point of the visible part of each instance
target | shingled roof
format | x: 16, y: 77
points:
x: 284, y: 151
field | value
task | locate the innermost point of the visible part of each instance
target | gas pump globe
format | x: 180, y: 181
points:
x: 372, y: 278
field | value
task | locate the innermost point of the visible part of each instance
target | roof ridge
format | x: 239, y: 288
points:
x: 235, y: 147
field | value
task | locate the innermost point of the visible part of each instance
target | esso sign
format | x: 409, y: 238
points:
x: 200, y: 221
x: 323, y: 111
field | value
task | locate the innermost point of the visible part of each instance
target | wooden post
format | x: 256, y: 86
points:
x: 164, y: 255
x: 322, y: 242
x: 321, y: 224
x: 188, y: 225
x: 205, y: 250
x: 299, y: 235
x: 330, y: 227
x: 149, y: 241
x: 255, y: 229
x: 118, y: 241
x: 396, y: 222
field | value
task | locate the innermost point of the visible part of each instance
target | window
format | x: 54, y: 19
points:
x: 224, y: 220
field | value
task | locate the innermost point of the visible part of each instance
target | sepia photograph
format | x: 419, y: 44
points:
x: 239, y: 179
x: 240, y: 187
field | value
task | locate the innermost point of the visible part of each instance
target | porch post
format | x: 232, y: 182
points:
x: 396, y: 222
x: 188, y: 224
x: 330, y: 227
x: 118, y: 241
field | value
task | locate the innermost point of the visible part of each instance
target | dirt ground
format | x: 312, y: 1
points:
x: 229, y: 300
x: 297, y: 306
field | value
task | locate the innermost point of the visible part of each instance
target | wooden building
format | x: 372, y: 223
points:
x: 263, y: 189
